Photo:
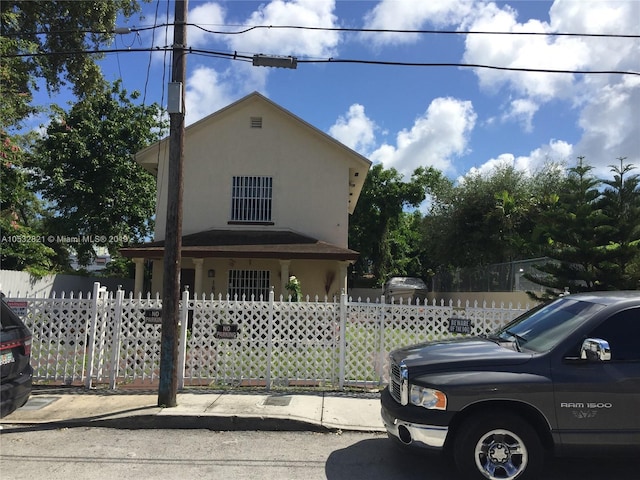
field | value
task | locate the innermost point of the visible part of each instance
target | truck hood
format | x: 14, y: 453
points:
x: 468, y: 353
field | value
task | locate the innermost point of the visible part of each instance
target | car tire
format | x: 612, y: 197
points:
x: 498, y: 446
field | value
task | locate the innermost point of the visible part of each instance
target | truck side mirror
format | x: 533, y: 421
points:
x: 595, y: 349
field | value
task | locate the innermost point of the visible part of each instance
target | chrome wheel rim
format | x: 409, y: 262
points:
x: 501, y: 455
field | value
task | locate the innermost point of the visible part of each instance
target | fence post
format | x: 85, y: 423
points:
x: 272, y: 297
x: 381, y: 351
x: 115, y: 343
x: 92, y: 334
x: 342, y: 346
x: 386, y: 310
x: 184, y: 324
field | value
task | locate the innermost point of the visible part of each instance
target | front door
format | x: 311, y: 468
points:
x: 187, y: 279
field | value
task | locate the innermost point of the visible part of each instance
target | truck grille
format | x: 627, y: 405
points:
x: 398, y: 382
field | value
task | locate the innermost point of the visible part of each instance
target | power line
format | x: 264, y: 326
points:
x: 248, y: 58
x: 146, y: 80
x: 408, y: 31
x: 470, y: 65
x: 246, y: 29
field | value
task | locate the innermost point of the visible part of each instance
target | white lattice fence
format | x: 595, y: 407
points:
x: 228, y: 361
x: 278, y: 343
x: 138, y: 360
x: 60, y: 331
x: 304, y: 344
x: 362, y: 343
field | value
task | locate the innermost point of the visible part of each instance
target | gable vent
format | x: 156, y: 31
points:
x: 256, y: 122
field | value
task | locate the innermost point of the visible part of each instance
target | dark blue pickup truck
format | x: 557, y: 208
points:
x: 562, y: 379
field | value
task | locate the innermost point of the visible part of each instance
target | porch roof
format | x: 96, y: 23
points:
x: 276, y: 244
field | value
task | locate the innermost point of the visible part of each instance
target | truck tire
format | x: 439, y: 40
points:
x: 498, y: 446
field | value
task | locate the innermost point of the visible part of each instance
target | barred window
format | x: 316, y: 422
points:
x: 249, y: 284
x: 251, y: 199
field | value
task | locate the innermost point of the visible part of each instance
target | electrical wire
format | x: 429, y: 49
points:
x: 153, y: 36
x: 246, y: 29
x: 248, y: 58
x: 430, y: 32
x: 166, y: 67
x: 470, y: 65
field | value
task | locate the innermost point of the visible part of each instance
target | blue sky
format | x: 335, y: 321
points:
x: 455, y: 119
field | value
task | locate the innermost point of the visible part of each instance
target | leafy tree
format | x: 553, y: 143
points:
x: 373, y: 229
x: 570, y: 238
x: 407, y: 248
x: 620, y: 204
x: 61, y: 34
x: 22, y: 246
x: 84, y: 167
x: 484, y: 219
x: 15, y: 83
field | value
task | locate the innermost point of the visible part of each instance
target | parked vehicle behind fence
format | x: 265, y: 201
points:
x: 405, y: 289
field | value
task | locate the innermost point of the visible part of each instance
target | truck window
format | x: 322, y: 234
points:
x: 541, y: 329
x: 622, y: 331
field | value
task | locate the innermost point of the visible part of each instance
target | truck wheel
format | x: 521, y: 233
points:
x: 498, y: 447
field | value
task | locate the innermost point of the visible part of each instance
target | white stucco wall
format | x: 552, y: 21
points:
x: 310, y: 174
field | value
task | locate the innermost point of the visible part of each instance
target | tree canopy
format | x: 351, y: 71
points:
x: 43, y: 29
x: 379, y: 223
x: 591, y: 234
x: 84, y: 168
x: 32, y: 36
x: 22, y: 244
x: 587, y: 228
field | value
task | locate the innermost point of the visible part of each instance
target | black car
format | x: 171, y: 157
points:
x: 563, y: 378
x: 15, y: 357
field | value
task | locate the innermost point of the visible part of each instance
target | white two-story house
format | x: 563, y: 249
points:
x: 266, y: 196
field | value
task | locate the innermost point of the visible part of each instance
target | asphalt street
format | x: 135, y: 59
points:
x: 96, y: 453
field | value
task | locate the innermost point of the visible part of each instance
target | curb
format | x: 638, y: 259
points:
x: 175, y: 422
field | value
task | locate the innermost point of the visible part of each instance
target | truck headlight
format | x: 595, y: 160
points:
x: 427, y: 398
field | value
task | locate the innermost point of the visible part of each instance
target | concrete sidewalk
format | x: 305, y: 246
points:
x: 58, y: 408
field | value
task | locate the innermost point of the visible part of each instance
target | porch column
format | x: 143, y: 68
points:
x: 342, y: 276
x: 284, y: 276
x: 139, y: 276
x: 197, y: 282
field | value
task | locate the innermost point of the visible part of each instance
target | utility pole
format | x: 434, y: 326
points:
x: 168, y: 388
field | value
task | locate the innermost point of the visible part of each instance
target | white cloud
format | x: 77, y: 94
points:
x: 556, y: 151
x: 522, y: 110
x: 610, y: 125
x: 411, y: 15
x: 608, y: 104
x: 310, y: 13
x: 210, y: 16
x: 435, y: 138
x: 522, y: 51
x: 207, y: 92
x: 355, y: 130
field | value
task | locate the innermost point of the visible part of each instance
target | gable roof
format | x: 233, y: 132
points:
x: 275, y: 244
x: 148, y: 158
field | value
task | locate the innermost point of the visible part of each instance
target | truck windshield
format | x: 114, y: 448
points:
x: 544, y: 327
